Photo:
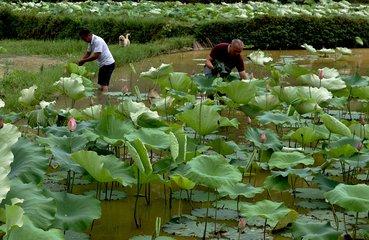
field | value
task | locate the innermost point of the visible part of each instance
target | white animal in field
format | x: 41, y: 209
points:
x: 123, y: 40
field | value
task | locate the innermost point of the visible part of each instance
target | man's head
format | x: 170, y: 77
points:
x: 86, y: 35
x: 235, y: 48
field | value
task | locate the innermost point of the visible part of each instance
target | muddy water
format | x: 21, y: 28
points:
x: 189, y: 62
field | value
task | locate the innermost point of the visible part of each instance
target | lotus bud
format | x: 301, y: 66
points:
x: 262, y: 138
x: 359, y: 146
x: 248, y: 120
x: 241, y: 224
x: 72, y: 124
x: 362, y: 120
x: 321, y: 74
x: 1, y: 122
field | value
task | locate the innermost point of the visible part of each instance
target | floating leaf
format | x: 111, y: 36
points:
x: 272, y: 141
x: 195, y: 195
x: 310, y: 231
x: 284, y: 160
x: 220, y: 214
x: 239, y: 189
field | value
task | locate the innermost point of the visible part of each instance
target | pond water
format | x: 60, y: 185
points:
x: 117, y: 220
x: 190, y: 62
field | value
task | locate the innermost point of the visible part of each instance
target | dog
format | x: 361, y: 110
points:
x: 123, y: 40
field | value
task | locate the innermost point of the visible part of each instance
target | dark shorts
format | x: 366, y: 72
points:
x: 105, y: 74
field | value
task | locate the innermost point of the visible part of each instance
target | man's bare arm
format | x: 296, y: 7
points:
x: 243, y: 75
x: 208, y: 62
x: 89, y: 58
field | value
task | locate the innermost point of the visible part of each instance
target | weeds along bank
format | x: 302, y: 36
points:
x: 264, y: 25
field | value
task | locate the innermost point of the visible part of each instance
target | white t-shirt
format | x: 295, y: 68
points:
x: 99, y: 45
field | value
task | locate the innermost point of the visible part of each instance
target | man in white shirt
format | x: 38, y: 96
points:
x: 98, y: 50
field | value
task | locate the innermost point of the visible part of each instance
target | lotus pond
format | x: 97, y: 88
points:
x: 282, y: 155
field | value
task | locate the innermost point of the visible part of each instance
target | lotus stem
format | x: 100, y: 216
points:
x: 265, y: 226
x: 170, y: 197
x: 344, y: 222
x: 216, y: 213
x: 179, y: 204
x: 335, y: 217
x: 106, y: 191
x: 138, y: 225
x: 72, y: 183
x: 238, y: 205
x: 356, y: 222
x: 206, y: 216
x: 111, y: 190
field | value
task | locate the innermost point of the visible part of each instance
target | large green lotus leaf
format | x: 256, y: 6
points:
x: 307, y: 106
x: 158, y: 75
x: 30, y: 162
x: 13, y: 215
x: 104, y: 168
x: 276, y: 213
x: 335, y: 126
x: 362, y: 131
x: 350, y: 197
x: 222, y: 147
x: 317, y: 94
x: 266, y: 102
x: 88, y: 113
x: 345, y: 146
x: 272, y: 142
x: 307, y: 135
x: 239, y: 91
x: 134, y: 110
x: 9, y: 135
x: 72, y: 86
x: 330, y: 83
x: 112, y: 128
x: 219, y: 214
x: 204, y: 83
x: 147, y: 120
x: 212, y: 171
x: 203, y: 119
x: 305, y: 173
x: 150, y: 237
x: 182, y: 182
x: 314, y: 231
x: 153, y: 138
x: 74, y: 68
x: 361, y: 92
x: 284, y: 160
x: 276, y: 182
x: 356, y: 81
x: 276, y: 118
x: 39, y: 208
x: 182, y: 144
x: 31, y: 232
x: 174, y: 146
x: 288, y: 95
x: 239, y: 189
x: 139, y: 153
x: 62, y: 147
x: 75, y: 212
x: 294, y: 70
x: 180, y: 81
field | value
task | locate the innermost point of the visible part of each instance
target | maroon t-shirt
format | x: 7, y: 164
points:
x: 220, y: 53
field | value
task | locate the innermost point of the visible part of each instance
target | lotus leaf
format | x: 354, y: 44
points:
x: 360, y: 92
x: 276, y: 118
x: 2, y: 104
x: 272, y: 142
x: 30, y: 232
x: 138, y: 152
x: 135, y: 109
x: 104, y: 168
x: 159, y: 75
x: 203, y: 119
x: 150, y: 237
x: 310, y: 193
x: 212, y: 171
x: 335, y: 126
x: 332, y: 84
x: 345, y: 146
x: 266, y: 102
x: 277, y: 214
x: 356, y: 81
x: 195, y: 195
x: 309, y: 48
x: 30, y: 162
x: 258, y: 57
x: 311, y: 231
x: 224, y: 148
x: 14, y: 216
x: 284, y: 160
x: 307, y: 135
x: 28, y: 96
x: 350, y: 197
x: 74, y: 68
x: 75, y: 212
x: 239, y: 91
x: 72, y: 235
x: 239, y: 189
x: 180, y: 81
x: 182, y: 182
x: 151, y: 137
x: 219, y: 214
x: 359, y: 41
x: 294, y: 70
x: 39, y: 208
x: 72, y: 86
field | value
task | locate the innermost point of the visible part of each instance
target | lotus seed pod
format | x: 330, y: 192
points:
x: 262, y: 138
x: 72, y: 124
x: 362, y: 120
x: 248, y: 120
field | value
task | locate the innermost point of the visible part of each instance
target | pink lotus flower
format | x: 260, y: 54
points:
x: 72, y: 124
x: 321, y: 74
x: 241, y: 224
x: 263, y: 138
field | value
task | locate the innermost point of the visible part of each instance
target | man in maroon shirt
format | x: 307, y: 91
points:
x: 223, y: 58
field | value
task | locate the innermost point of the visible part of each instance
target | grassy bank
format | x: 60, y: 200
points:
x: 68, y: 51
